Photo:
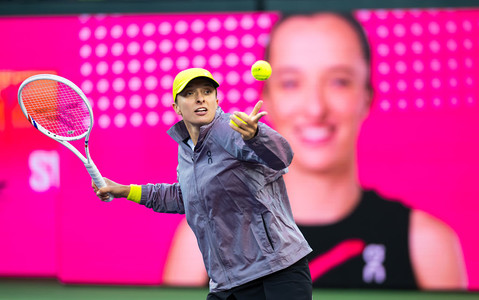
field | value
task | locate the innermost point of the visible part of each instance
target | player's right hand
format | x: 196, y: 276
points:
x: 112, y: 188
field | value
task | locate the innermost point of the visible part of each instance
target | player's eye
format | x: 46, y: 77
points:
x: 341, y: 82
x: 290, y: 84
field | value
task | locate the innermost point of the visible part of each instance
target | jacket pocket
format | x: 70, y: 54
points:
x: 265, y: 217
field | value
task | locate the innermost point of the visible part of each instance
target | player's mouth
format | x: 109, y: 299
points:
x: 201, y: 111
x: 316, y: 135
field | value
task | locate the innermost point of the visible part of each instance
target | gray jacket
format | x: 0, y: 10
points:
x: 234, y: 197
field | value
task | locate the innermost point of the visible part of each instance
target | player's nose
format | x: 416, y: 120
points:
x: 317, y: 103
x: 200, y: 98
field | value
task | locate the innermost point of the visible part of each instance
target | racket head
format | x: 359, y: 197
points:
x: 56, y: 106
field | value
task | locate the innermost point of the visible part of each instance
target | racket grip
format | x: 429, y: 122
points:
x: 96, y: 176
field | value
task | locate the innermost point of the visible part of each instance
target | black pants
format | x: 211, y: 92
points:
x: 292, y: 283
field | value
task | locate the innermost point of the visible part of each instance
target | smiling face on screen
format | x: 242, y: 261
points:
x: 318, y: 95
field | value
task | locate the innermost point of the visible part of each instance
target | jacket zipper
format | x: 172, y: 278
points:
x: 208, y: 232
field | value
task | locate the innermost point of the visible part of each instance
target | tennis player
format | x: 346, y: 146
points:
x: 231, y: 189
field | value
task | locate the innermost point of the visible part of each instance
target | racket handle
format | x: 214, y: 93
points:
x: 96, y: 176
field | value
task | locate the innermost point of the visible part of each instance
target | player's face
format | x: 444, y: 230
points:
x: 197, y: 102
x: 317, y: 95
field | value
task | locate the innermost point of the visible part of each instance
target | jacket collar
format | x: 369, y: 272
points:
x: 180, y: 134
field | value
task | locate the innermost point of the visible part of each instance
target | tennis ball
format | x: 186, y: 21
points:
x: 261, y: 70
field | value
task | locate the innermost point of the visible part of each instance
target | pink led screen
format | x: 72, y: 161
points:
x: 417, y: 144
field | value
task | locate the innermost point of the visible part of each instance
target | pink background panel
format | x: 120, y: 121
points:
x: 27, y: 218
x: 28, y: 224
x: 417, y: 145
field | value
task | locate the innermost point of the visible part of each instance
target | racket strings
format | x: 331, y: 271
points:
x: 56, y: 107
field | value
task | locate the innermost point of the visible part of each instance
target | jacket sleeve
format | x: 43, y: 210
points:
x: 271, y: 147
x: 268, y: 147
x: 163, y: 198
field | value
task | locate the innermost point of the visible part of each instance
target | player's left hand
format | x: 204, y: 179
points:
x: 247, y: 125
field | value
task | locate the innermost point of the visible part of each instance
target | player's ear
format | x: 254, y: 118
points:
x: 177, y: 108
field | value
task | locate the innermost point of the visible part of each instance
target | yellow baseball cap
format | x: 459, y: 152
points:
x: 185, y: 76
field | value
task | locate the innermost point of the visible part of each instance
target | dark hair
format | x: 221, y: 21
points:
x: 348, y: 18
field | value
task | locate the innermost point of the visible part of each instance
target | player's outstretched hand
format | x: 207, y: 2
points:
x: 115, y: 189
x: 247, y: 125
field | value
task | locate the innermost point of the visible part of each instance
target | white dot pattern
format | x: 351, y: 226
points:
x: 430, y: 54
x: 128, y: 64
x: 422, y: 59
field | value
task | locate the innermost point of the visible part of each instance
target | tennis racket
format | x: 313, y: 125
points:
x: 59, y: 109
